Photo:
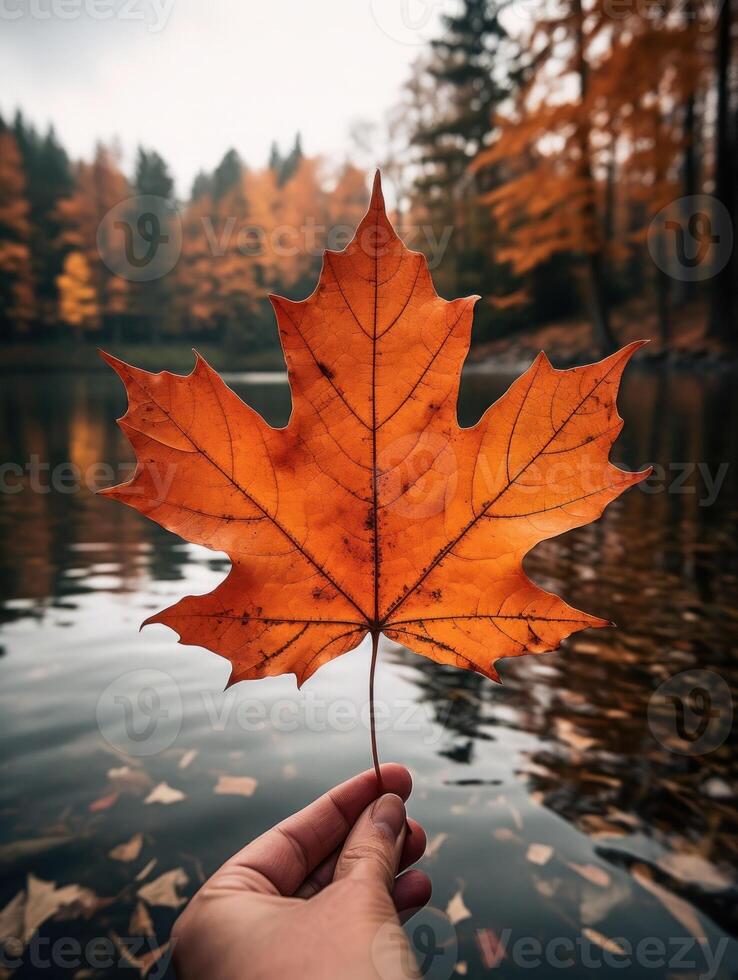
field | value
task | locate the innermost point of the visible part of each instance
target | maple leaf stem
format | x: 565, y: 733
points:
x: 372, y: 726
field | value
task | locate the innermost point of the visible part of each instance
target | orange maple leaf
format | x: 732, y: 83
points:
x: 372, y: 510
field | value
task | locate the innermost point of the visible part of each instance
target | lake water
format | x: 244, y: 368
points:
x: 583, y: 814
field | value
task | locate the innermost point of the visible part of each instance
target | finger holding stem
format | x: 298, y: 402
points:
x: 372, y: 722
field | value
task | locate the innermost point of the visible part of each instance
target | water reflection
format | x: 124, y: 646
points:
x: 562, y: 756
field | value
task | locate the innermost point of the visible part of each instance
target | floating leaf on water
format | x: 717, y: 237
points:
x: 235, y: 786
x: 140, y: 924
x: 163, y: 890
x: 44, y: 900
x: 539, y: 854
x: 104, y: 802
x: 188, y: 758
x: 146, y: 870
x: 456, y: 910
x: 125, y: 779
x: 128, y: 850
x: 547, y: 888
x: 609, y: 945
x: 165, y: 794
x: 591, y: 873
x: 434, y: 845
x: 718, y: 789
x: 504, y: 834
x: 143, y: 962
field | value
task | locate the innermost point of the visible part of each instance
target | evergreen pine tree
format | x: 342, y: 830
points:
x: 227, y: 174
x: 474, y: 66
x: 151, y: 301
x: 48, y: 179
x: 285, y: 167
x: 202, y: 185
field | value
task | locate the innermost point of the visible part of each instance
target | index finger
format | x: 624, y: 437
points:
x: 285, y: 855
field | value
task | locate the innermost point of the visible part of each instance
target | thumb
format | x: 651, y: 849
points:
x: 373, y: 848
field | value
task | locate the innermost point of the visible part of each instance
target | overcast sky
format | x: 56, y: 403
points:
x: 191, y: 78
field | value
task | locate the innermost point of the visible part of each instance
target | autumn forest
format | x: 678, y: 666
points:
x: 540, y: 164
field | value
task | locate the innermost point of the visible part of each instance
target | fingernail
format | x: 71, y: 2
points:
x: 388, y: 815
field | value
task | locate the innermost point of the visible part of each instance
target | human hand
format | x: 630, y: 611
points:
x: 318, y: 896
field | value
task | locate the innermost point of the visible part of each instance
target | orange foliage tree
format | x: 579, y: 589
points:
x: 596, y: 118
x: 260, y: 235
x: 77, y: 301
x: 99, y: 186
x: 16, y: 284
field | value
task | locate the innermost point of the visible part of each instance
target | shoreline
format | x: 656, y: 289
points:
x: 484, y: 358
x: 84, y: 358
